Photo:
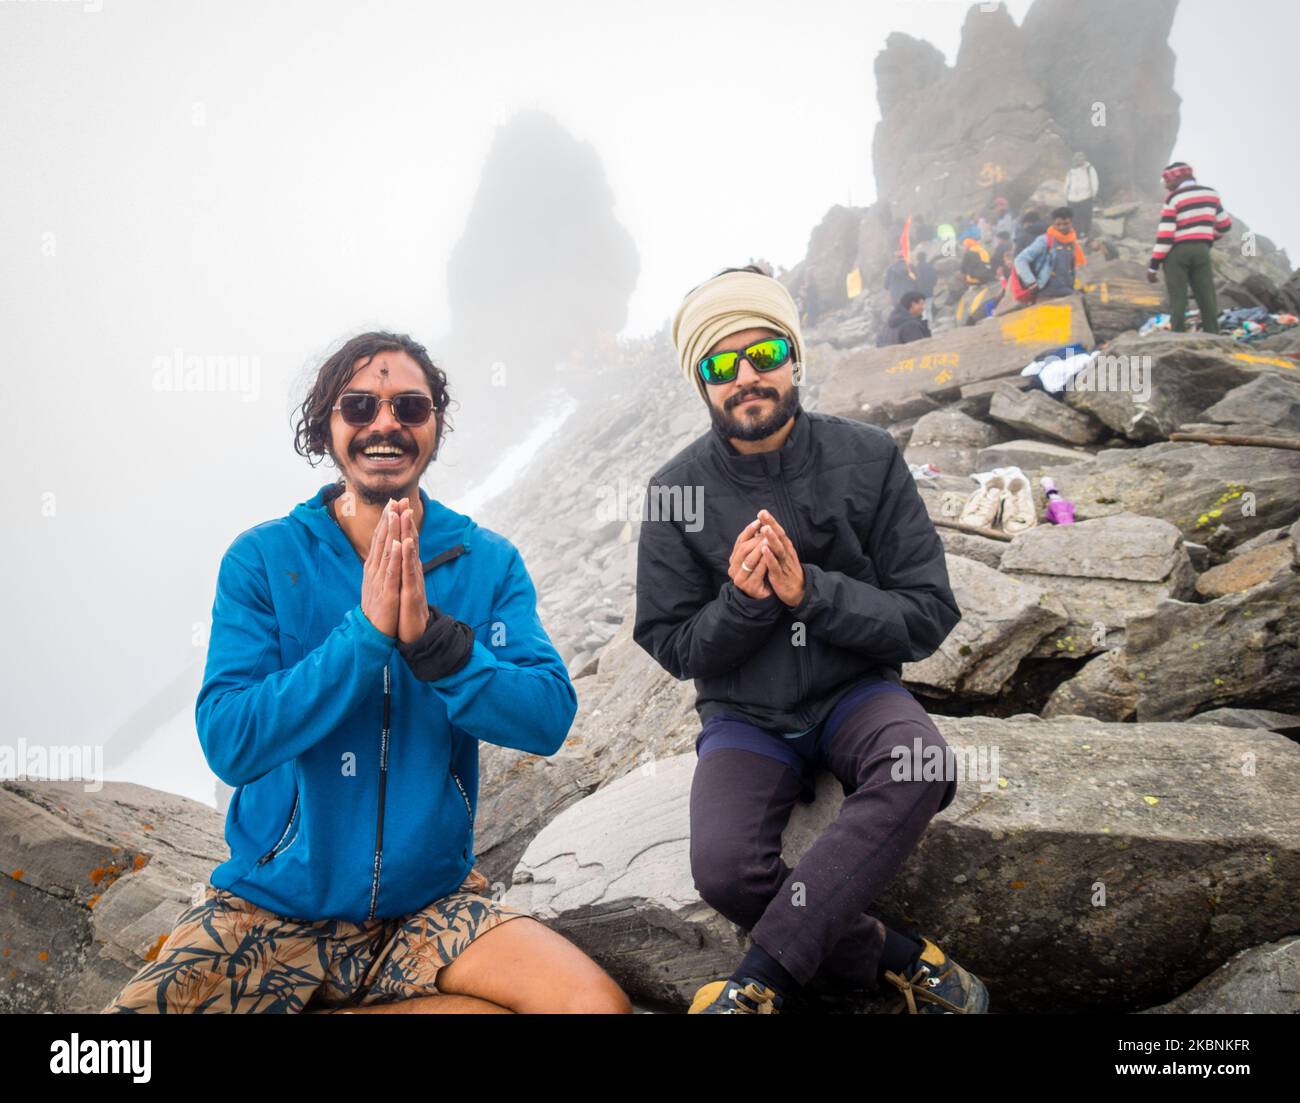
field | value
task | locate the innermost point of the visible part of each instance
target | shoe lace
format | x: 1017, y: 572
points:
x: 752, y: 1000
x: 919, y: 986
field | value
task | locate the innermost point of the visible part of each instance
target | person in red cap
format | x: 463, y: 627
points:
x: 1193, y: 219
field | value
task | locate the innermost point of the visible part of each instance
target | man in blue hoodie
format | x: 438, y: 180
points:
x: 361, y: 647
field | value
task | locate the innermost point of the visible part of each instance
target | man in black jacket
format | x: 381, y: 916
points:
x: 792, y: 597
x: 906, y: 322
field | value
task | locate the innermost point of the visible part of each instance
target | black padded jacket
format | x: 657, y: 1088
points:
x: 875, y: 578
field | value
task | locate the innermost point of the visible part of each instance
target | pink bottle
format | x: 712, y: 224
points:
x: 1059, y: 511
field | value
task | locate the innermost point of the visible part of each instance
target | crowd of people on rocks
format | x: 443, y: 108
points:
x: 1019, y: 260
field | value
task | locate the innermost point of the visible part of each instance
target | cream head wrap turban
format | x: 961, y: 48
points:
x: 727, y: 304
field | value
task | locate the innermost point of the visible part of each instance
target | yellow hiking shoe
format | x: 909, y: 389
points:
x: 729, y: 997
x: 940, y: 985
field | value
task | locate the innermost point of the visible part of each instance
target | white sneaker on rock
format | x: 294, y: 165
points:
x: 1018, y: 511
x: 985, y: 505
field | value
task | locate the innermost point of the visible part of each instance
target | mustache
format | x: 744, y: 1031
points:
x: 395, y: 442
x: 760, y: 392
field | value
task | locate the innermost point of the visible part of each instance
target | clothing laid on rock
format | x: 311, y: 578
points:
x: 227, y: 956
x: 1254, y: 323
x: 1054, y: 368
x: 902, y: 327
x: 876, y: 582
x: 298, y: 681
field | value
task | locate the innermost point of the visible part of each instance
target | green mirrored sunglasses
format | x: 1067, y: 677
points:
x: 766, y: 355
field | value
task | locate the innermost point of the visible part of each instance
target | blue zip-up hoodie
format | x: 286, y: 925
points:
x: 356, y: 782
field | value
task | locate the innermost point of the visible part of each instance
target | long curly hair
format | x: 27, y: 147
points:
x: 311, y: 435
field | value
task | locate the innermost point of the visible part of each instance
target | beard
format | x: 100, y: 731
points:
x: 743, y: 427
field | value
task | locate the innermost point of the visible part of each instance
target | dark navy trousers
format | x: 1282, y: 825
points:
x: 813, y: 918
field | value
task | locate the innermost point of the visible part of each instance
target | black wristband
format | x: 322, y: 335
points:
x: 443, y: 649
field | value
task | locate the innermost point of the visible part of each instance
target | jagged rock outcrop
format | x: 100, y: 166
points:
x: 950, y: 139
x: 1115, y: 99
x: 1008, y: 114
x: 94, y: 880
x: 538, y: 285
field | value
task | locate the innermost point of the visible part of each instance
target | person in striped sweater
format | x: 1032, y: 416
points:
x: 1193, y: 219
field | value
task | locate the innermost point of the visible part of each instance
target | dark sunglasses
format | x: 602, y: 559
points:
x: 766, y: 355
x: 359, y: 408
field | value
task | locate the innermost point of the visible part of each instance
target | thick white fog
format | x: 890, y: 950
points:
x: 256, y: 181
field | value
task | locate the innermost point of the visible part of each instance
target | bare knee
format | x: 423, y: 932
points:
x: 600, y: 996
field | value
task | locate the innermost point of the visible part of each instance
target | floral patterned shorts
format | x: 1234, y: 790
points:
x: 228, y: 956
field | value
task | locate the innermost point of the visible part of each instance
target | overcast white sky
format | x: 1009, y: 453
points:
x: 263, y: 178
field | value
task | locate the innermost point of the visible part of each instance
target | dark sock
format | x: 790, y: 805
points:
x: 901, y: 955
x: 761, y: 966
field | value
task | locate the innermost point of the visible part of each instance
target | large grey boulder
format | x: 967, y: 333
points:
x: 1031, y: 456
x: 1147, y: 387
x: 1116, y: 293
x: 1220, y: 496
x: 1268, y: 400
x: 1241, y: 649
x: 1089, y: 866
x: 613, y: 874
x: 952, y: 359
x: 818, y: 281
x: 95, y: 882
x: 1103, y: 572
x: 1036, y: 412
x: 630, y: 711
x: 1284, y: 723
x: 1247, y: 570
x: 1003, y: 620
x: 969, y: 545
x: 1102, y: 690
x: 948, y: 439
x: 1264, y: 980
x: 1122, y: 547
